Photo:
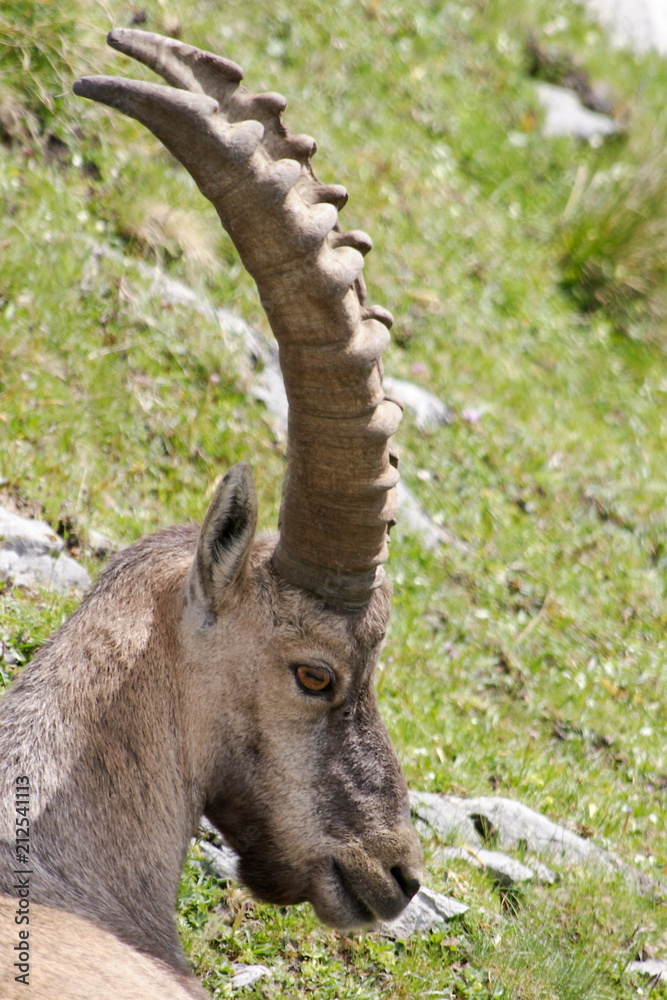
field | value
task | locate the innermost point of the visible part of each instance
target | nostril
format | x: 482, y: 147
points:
x: 408, y: 884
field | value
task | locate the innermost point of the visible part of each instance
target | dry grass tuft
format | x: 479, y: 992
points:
x: 163, y: 231
x: 17, y: 122
x: 615, y: 236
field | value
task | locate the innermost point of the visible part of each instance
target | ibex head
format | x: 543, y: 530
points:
x: 217, y: 672
x: 302, y: 780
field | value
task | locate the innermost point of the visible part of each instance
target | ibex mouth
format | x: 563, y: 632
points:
x: 356, y: 900
x: 363, y: 915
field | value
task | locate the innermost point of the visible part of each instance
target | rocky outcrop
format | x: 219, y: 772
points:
x: 31, y: 555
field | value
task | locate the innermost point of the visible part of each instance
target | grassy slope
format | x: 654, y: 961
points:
x: 533, y: 667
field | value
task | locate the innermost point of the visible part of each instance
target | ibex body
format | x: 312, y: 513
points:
x: 210, y: 671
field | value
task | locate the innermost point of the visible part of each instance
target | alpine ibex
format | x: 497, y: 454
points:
x: 209, y: 671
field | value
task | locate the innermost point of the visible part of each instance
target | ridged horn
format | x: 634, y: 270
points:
x: 339, y: 492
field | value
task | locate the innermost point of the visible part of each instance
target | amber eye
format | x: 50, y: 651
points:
x: 312, y: 679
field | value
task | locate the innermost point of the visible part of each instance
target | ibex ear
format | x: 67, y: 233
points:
x: 226, y: 535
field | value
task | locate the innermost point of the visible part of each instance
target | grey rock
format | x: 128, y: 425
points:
x: 414, y: 520
x: 516, y: 825
x: 31, y: 556
x: 100, y: 545
x: 427, y: 409
x: 221, y: 861
x: 656, y: 969
x: 425, y: 910
x: 235, y: 330
x: 248, y: 975
x: 542, y: 872
x: 61, y: 573
x: 509, y: 824
x: 220, y: 857
x: 640, y: 25
x: 566, y: 115
x: 269, y: 388
x: 27, y: 535
x: 448, y: 817
x: 506, y: 872
x: 240, y: 338
x: 8, y: 653
x: 238, y: 335
x: 210, y: 832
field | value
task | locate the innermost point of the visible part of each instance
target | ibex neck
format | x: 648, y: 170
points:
x: 94, y: 725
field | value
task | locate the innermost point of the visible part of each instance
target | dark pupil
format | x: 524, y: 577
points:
x: 316, y: 679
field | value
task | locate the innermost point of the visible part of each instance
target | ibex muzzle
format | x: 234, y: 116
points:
x: 209, y: 671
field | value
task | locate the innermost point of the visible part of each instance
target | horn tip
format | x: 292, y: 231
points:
x: 116, y: 37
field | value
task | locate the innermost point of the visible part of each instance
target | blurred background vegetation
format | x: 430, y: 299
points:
x: 527, y: 279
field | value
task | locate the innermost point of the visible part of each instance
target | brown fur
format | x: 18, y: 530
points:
x: 170, y: 693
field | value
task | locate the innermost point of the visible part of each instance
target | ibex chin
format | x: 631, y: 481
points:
x: 209, y: 671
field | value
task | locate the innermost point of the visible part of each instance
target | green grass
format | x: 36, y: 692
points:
x: 532, y: 666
